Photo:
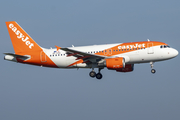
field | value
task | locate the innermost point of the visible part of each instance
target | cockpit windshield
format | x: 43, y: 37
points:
x: 164, y: 46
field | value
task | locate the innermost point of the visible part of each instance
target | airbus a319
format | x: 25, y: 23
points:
x: 119, y: 57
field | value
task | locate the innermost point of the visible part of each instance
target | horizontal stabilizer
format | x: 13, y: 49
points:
x: 13, y: 57
x: 16, y: 55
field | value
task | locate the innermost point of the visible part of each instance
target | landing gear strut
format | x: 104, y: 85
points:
x: 152, y: 65
x: 98, y: 75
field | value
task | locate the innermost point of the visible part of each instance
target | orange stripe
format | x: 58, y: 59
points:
x: 127, y: 47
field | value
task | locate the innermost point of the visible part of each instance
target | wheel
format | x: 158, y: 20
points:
x: 153, y: 71
x: 99, y: 76
x: 92, y: 74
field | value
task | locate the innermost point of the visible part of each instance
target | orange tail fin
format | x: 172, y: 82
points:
x: 21, y: 41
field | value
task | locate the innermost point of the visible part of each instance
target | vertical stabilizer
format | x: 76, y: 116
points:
x: 21, y: 41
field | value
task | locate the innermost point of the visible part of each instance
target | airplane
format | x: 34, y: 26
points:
x: 120, y: 57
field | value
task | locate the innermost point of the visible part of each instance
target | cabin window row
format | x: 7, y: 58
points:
x: 116, y: 50
x: 57, y: 55
x: 102, y: 51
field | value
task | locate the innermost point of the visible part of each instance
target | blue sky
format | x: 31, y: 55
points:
x: 31, y: 92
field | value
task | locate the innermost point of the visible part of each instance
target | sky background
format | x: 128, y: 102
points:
x: 35, y: 93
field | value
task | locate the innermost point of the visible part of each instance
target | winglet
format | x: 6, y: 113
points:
x: 57, y: 47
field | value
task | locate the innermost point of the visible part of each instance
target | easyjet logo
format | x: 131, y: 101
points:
x: 20, y: 36
x: 131, y: 46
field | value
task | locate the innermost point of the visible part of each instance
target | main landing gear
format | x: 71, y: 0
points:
x: 98, y: 75
x: 152, y: 65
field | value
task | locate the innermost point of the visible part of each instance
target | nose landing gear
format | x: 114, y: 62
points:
x: 153, y: 71
x: 152, y: 65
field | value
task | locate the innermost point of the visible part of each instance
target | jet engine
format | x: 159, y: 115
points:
x: 115, y: 63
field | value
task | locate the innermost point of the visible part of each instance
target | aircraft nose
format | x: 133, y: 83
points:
x: 175, y: 52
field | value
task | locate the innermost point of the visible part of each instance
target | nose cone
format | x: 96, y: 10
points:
x: 175, y: 52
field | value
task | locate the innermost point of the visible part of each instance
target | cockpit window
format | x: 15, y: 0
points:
x: 164, y: 46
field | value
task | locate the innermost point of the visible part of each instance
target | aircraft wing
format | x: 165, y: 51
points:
x: 82, y: 55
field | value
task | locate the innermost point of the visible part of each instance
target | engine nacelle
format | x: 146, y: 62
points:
x: 115, y: 63
x: 128, y: 68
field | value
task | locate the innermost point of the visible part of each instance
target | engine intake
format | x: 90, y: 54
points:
x: 115, y: 63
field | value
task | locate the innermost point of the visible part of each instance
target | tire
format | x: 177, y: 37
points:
x: 99, y: 76
x: 153, y: 71
x: 92, y: 74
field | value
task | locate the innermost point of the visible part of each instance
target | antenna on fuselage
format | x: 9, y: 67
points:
x: 148, y: 40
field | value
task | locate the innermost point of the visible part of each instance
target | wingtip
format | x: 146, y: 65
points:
x: 57, y: 47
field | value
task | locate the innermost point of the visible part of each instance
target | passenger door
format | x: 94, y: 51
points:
x: 150, y: 49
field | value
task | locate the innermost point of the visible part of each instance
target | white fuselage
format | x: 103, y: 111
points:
x: 144, y: 55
